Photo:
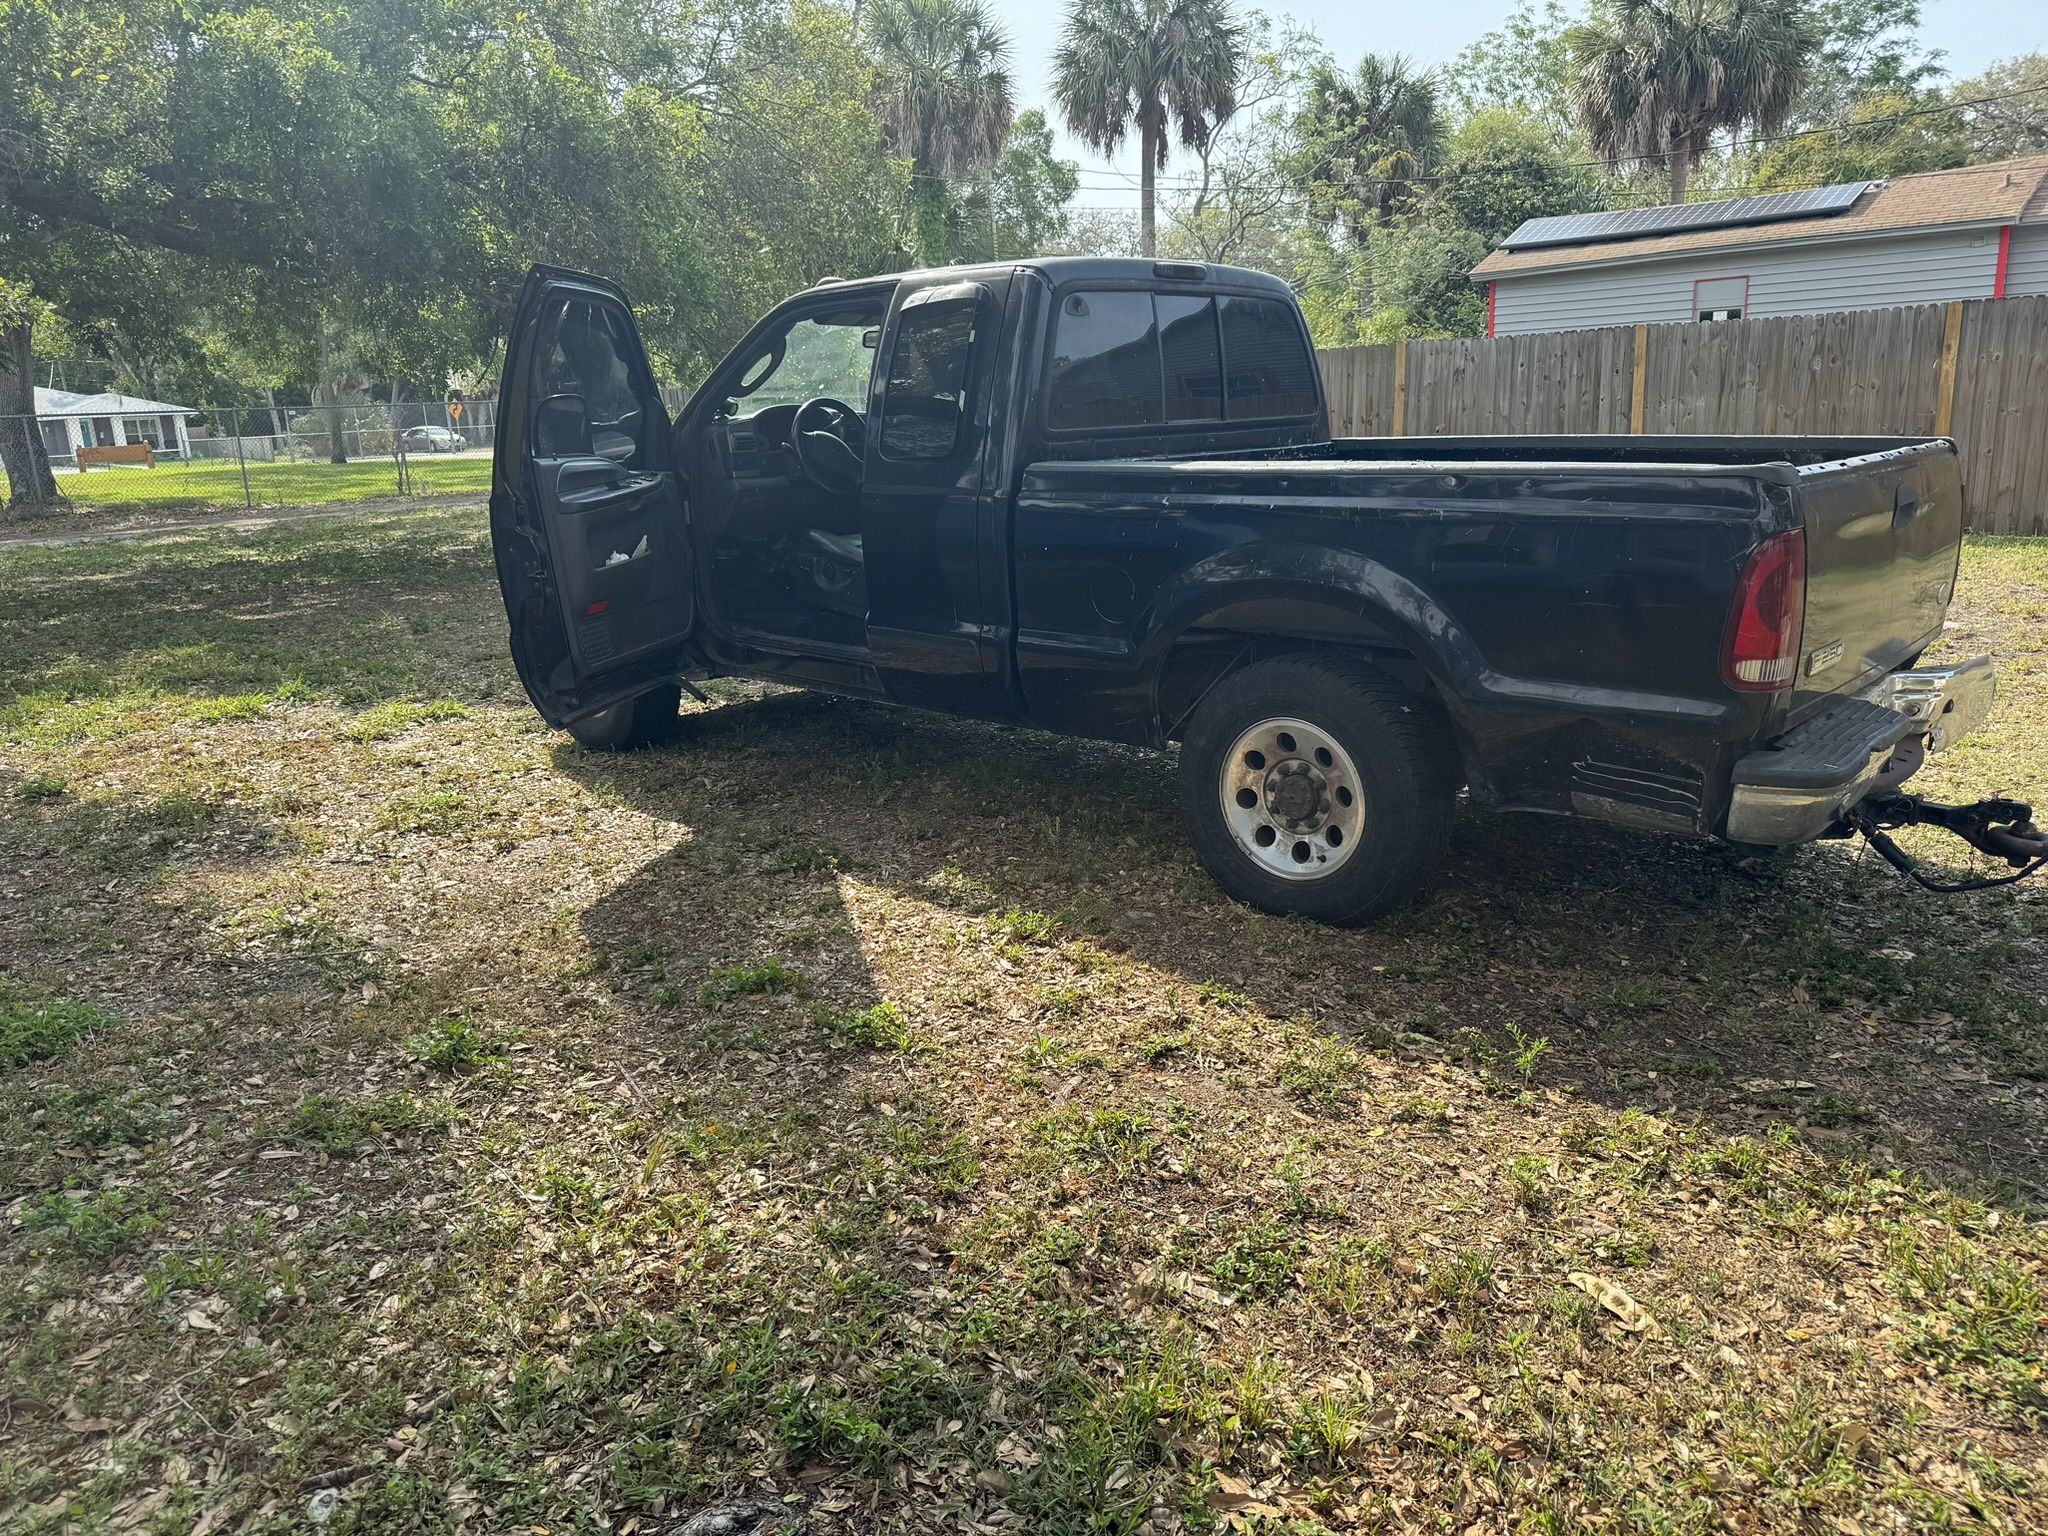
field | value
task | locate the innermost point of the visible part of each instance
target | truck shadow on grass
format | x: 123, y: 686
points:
x: 1637, y: 972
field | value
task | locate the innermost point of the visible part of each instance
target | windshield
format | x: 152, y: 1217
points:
x: 827, y: 355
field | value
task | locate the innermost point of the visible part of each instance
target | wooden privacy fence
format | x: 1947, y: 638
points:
x: 1976, y: 370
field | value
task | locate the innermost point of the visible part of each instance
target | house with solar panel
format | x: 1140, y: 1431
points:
x: 1976, y: 233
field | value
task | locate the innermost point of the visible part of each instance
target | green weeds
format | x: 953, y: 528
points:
x: 452, y: 1044
x: 37, y: 1029
x: 756, y: 978
x: 880, y: 1027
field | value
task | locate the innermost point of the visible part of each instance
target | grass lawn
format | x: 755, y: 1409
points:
x: 204, y: 485
x: 882, y: 1113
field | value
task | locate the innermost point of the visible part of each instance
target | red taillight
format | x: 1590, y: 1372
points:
x: 1762, y: 653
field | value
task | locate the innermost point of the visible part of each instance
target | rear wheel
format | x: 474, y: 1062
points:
x: 1315, y: 785
x: 643, y: 721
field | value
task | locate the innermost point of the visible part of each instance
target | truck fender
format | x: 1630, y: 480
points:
x: 1378, y: 606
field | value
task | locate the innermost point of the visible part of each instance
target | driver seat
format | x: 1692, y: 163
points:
x: 840, y: 546
x: 835, y: 569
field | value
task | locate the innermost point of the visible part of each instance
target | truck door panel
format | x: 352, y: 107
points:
x: 923, y: 496
x: 587, y: 508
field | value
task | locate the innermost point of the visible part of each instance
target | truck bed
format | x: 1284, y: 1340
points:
x: 1570, y: 596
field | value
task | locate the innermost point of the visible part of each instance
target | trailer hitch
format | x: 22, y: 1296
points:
x: 2004, y: 829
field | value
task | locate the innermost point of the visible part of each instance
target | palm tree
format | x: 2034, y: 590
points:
x: 1370, y: 135
x: 945, y: 103
x: 1167, y: 66
x: 1655, y: 80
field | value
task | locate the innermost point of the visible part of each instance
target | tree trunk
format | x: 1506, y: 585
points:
x: 1681, y: 168
x: 327, y: 392
x: 276, y: 421
x: 31, y: 487
x: 1148, y: 215
x: 928, y: 219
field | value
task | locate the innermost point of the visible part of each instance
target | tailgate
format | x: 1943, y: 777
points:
x: 1883, y: 533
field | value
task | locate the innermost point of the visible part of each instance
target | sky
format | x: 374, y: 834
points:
x: 1973, y: 33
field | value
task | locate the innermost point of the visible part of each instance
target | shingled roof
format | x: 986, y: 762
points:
x: 2003, y: 192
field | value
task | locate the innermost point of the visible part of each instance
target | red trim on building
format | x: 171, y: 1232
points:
x: 1492, y: 305
x: 2004, y: 260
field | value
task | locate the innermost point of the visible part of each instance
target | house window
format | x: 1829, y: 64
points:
x: 1720, y: 298
x: 143, y: 429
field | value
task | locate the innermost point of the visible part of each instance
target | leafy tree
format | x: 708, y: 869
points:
x: 790, y: 180
x: 2006, y: 108
x: 1022, y: 210
x: 1100, y: 231
x: 1521, y: 65
x: 317, y: 194
x: 1169, y: 68
x: 1869, y: 48
x: 1655, y: 80
x: 1370, y: 137
x: 1887, y: 134
x: 1502, y: 168
x: 945, y: 94
x: 1245, y: 205
x: 30, y: 485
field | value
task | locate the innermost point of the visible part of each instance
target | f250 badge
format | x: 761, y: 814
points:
x: 1821, y: 657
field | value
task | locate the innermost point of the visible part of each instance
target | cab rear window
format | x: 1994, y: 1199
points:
x: 1105, y: 362
x: 1130, y: 358
x: 1271, y: 373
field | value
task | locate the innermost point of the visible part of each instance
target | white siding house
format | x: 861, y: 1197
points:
x: 73, y: 421
x: 1977, y: 233
x: 2027, y: 271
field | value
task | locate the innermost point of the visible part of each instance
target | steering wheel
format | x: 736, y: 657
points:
x: 819, y: 435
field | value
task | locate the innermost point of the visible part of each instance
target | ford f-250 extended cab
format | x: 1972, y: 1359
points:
x: 1101, y: 497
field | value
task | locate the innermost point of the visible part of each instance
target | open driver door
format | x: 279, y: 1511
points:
x: 588, y: 519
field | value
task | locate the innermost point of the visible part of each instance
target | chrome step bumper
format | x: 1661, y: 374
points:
x: 1949, y: 702
x: 1808, y: 780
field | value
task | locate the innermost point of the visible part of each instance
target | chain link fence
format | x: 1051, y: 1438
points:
x: 172, y: 458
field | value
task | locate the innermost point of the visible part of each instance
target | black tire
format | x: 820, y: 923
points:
x: 1400, y: 753
x: 644, y: 721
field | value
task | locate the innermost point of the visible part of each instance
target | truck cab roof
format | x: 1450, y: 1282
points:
x: 1111, y: 270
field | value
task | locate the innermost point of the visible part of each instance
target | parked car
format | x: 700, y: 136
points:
x: 1101, y: 497
x: 432, y: 439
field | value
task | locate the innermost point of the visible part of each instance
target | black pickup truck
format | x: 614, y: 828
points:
x: 1101, y: 497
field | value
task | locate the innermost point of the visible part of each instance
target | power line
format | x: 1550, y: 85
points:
x: 1189, y: 181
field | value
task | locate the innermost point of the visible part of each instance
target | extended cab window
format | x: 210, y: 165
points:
x: 1134, y: 358
x: 1271, y: 372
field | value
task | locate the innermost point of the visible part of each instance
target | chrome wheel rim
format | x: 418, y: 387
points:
x: 1292, y: 799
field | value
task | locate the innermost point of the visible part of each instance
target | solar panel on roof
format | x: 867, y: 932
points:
x: 1636, y: 223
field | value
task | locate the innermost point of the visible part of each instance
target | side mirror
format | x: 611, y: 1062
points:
x: 561, y: 427
x: 871, y: 338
